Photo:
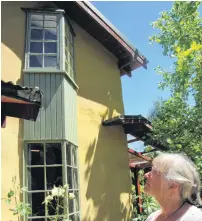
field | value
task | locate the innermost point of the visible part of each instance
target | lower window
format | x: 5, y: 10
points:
x: 49, y: 164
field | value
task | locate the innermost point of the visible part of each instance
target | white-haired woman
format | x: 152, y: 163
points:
x: 175, y: 184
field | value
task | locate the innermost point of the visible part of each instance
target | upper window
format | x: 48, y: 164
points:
x: 49, y: 43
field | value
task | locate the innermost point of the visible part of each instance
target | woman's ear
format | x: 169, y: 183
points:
x: 174, y: 186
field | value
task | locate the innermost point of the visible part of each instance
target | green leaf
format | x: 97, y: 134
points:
x: 10, y: 193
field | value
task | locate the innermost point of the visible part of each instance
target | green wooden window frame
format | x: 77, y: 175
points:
x: 49, y: 43
x: 39, y: 171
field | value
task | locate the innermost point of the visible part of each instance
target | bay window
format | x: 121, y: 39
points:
x: 49, y: 43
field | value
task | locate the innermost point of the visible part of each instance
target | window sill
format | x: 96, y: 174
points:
x: 54, y: 72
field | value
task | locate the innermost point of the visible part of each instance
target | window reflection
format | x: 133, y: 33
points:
x: 50, y: 34
x: 36, y: 61
x: 36, y: 34
x: 50, y: 61
x: 35, y: 154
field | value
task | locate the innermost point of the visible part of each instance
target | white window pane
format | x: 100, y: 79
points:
x: 50, y: 61
x: 50, y: 34
x: 51, y: 17
x: 36, y: 34
x: 50, y: 47
x: 36, y: 47
x: 38, y: 24
x: 50, y: 24
x: 35, y: 61
x: 36, y: 17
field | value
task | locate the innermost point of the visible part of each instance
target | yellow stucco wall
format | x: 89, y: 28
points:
x: 104, y: 172
x: 12, y: 45
x: 12, y: 62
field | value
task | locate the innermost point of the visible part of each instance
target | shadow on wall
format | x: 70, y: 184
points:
x: 106, y: 173
x: 108, y: 181
x: 13, y: 40
x: 13, y: 28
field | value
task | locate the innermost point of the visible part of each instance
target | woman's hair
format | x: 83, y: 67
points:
x: 180, y: 169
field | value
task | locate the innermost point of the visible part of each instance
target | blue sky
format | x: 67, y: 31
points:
x: 133, y: 19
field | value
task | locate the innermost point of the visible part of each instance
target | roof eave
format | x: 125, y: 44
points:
x: 89, y: 18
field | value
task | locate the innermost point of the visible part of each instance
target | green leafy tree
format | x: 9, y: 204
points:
x: 177, y: 121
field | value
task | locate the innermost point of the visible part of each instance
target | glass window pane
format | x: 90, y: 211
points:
x: 50, y: 24
x: 36, y: 34
x: 35, y: 61
x: 68, y: 153
x: 69, y: 177
x: 74, y: 217
x: 50, y: 47
x: 75, y: 178
x: 53, y: 153
x: 36, y: 178
x: 51, y: 17
x: 74, y: 156
x: 50, y: 61
x: 71, y: 38
x: 66, y: 66
x: 71, y: 73
x: 67, y: 43
x: 36, y: 200
x: 67, y: 30
x: 71, y: 205
x: 54, y: 177
x: 71, y: 61
x: 37, y: 17
x: 36, y: 47
x: 35, y: 154
x: 76, y: 201
x: 66, y: 54
x: 50, y: 34
x: 71, y: 49
x: 38, y: 24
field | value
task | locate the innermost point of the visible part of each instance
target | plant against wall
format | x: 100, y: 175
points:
x: 17, y: 207
x: 56, y: 201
